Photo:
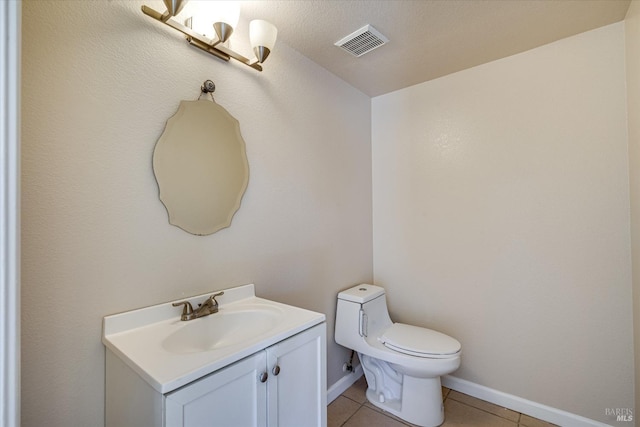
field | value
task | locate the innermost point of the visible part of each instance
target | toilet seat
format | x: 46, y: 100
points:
x: 419, y: 342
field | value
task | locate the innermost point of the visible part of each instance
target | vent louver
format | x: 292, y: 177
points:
x: 362, y: 41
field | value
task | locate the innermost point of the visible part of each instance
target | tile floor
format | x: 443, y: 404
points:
x: 351, y: 409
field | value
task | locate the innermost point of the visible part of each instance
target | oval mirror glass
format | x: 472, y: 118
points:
x: 201, y: 167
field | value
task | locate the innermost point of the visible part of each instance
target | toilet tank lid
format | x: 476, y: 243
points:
x: 361, y: 293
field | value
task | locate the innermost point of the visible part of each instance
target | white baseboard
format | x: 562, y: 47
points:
x: 343, y: 384
x: 518, y: 404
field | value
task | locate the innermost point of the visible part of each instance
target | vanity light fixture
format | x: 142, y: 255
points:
x: 224, y: 17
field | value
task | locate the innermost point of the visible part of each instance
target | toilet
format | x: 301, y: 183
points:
x: 402, y: 363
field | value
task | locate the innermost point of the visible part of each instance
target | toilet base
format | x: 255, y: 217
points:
x: 421, y: 402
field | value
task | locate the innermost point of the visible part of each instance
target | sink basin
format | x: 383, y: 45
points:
x: 225, y: 328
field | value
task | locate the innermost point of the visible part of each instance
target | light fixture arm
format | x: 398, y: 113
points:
x: 214, y: 46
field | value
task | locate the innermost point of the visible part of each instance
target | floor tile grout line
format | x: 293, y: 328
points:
x: 377, y: 410
x: 353, y: 400
x: 350, y: 416
x: 383, y: 412
x: 374, y: 408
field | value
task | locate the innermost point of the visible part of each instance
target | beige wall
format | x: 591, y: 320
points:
x: 501, y: 203
x: 99, y: 81
x: 501, y: 217
x: 632, y: 39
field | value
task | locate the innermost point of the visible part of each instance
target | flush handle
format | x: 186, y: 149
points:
x: 363, y: 323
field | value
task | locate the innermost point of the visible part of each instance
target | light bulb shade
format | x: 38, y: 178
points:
x: 223, y: 30
x: 227, y: 12
x: 263, y: 36
x: 206, y: 13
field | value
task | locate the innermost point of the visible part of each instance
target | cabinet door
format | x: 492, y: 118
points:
x: 233, y: 396
x: 297, y: 380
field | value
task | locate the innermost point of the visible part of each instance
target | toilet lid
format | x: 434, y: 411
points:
x: 420, y: 342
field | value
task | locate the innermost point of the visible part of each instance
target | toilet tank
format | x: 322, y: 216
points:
x: 362, y: 311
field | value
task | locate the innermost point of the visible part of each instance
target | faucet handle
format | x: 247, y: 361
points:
x: 187, y: 311
x: 213, y: 297
x: 212, y: 303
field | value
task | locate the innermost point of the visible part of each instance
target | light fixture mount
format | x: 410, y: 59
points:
x: 262, y: 33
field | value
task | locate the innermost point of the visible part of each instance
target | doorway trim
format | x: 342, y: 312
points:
x: 10, y: 15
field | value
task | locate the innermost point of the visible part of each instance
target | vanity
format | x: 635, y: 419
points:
x: 254, y: 362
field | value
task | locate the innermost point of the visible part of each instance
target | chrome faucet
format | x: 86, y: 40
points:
x: 208, y: 307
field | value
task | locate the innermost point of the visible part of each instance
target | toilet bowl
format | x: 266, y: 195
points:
x: 402, y: 363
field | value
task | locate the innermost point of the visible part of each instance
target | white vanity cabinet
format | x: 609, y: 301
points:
x: 254, y: 363
x: 233, y: 396
x: 281, y: 386
x: 297, y: 395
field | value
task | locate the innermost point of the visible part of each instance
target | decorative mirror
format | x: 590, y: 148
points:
x: 201, y: 166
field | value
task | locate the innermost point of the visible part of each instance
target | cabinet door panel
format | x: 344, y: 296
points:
x: 298, y: 394
x: 233, y: 396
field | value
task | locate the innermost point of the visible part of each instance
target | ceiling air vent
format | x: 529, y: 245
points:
x: 362, y: 41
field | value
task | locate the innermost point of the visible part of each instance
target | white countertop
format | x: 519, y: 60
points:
x: 137, y: 337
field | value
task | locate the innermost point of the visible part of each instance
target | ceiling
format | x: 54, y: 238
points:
x: 427, y: 38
